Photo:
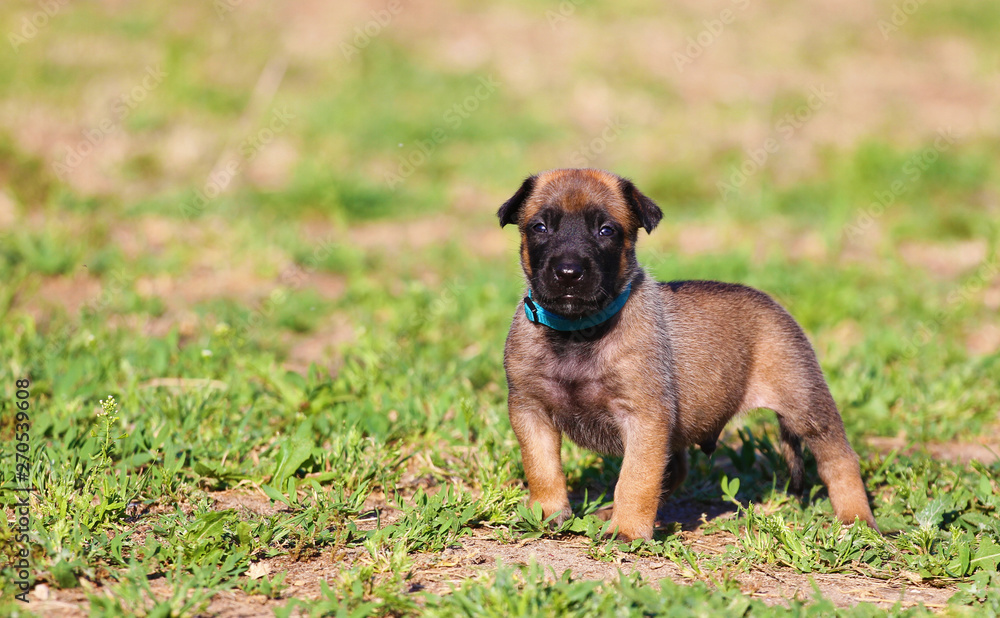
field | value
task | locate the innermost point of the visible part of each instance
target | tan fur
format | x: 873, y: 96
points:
x: 676, y: 364
x: 575, y: 189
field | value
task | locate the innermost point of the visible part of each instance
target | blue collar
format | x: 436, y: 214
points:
x: 538, y: 315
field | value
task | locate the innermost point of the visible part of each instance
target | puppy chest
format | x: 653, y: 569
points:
x: 583, y: 410
x: 578, y: 395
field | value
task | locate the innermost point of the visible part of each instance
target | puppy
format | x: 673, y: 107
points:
x: 628, y: 366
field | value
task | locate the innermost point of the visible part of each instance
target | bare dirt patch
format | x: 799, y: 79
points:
x: 983, y: 451
x: 67, y: 292
x: 479, y: 554
x: 947, y: 261
x: 984, y: 340
x: 256, y: 502
x: 319, y: 346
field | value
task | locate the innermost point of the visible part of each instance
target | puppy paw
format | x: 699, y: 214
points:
x: 869, y: 519
x: 564, y: 515
x: 629, y: 529
x: 854, y: 509
x: 562, y: 510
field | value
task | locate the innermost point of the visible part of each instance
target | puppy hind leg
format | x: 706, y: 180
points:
x: 816, y: 420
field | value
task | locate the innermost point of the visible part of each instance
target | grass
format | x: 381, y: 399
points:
x: 127, y: 491
x: 382, y: 457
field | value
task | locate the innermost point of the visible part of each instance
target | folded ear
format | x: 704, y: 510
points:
x: 511, y: 208
x: 645, y: 209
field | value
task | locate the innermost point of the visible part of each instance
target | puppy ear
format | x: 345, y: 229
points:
x: 648, y: 213
x: 512, y: 207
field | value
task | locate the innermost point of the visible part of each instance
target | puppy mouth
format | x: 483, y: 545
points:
x: 570, y: 305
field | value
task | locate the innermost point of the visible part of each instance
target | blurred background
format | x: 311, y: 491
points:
x: 268, y: 230
x: 184, y: 183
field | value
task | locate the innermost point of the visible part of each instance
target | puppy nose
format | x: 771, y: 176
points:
x: 567, y: 272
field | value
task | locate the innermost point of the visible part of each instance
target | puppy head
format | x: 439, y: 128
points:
x: 578, y: 233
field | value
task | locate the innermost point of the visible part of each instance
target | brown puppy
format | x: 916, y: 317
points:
x: 628, y: 366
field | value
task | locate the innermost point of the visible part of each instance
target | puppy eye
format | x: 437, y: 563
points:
x: 540, y: 228
x: 606, y: 230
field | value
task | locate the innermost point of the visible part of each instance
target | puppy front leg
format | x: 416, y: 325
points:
x: 540, y: 452
x: 637, y: 493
